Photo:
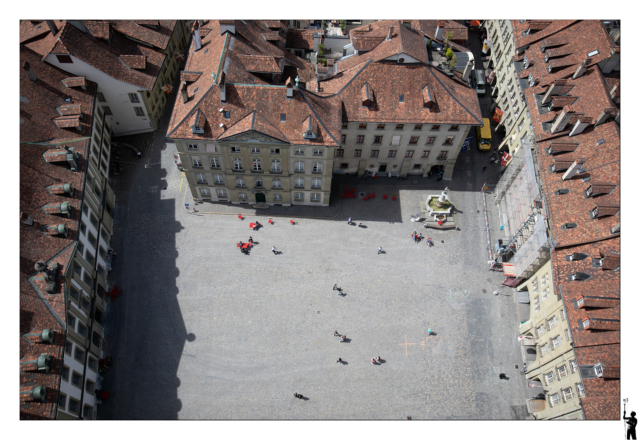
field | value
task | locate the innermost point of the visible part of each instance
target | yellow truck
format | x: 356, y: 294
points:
x: 484, y: 135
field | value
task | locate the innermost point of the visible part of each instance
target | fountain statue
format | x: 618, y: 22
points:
x: 442, y: 198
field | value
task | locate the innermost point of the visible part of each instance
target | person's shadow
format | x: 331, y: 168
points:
x: 363, y: 227
x: 342, y: 293
x: 382, y: 252
x: 276, y: 252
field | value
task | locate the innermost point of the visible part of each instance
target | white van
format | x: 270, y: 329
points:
x: 480, y: 81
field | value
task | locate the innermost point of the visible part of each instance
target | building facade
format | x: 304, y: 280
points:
x: 66, y: 227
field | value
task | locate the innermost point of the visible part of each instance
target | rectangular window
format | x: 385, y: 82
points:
x: 101, y: 97
x: 315, y: 197
x: 399, y: 126
x: 431, y: 140
x: 75, y: 377
x: 362, y: 126
x: 318, y: 152
x: 392, y: 153
x: 298, y: 196
x: 62, y: 401
x: 544, y: 349
x: 562, y: 371
x: 315, y: 183
x: 553, y: 322
x: 536, y: 303
x: 556, y: 341
x: 222, y: 193
x: 549, y: 377
x: 92, y: 363
x: 299, y: 150
x: 449, y: 140
x: 453, y: 128
x: 567, y: 393
x: 71, y: 321
x: 205, y: 192
x: 275, y: 151
x: 541, y: 330
x: 357, y: 153
x: 377, y: 139
x: 214, y: 162
x: 255, y: 149
x: 82, y: 330
x: 73, y: 405
x: 567, y: 335
x: 237, y: 164
x: 90, y: 387
x: 107, y: 110
x: 580, y: 388
x: 417, y: 166
x: 317, y: 167
x: 86, y: 412
x: 201, y: 178
x: 344, y: 138
x: 380, y: 127
x: 425, y: 153
x: 196, y: 162
x: 443, y: 155
x: 73, y: 292
x: 374, y: 153
x: 574, y: 365
x: 85, y: 304
x: 413, y: 140
x: 299, y: 167
x: 563, y: 315
x: 257, y: 165
x: 65, y: 373
x: 409, y: 153
x: 554, y: 399
x: 417, y: 127
x: 435, y: 127
x: 339, y: 152
x: 345, y: 125
x: 235, y: 149
x: 133, y: 97
x: 360, y: 139
x: 192, y: 146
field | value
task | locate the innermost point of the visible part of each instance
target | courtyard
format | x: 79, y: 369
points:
x: 207, y: 332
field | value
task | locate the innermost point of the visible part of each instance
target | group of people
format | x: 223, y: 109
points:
x: 349, y: 222
x: 418, y: 237
x: 440, y: 174
x: 245, y: 249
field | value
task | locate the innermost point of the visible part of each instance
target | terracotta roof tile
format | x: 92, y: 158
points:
x: 189, y: 76
x: 76, y: 81
x: 30, y: 29
x: 70, y: 109
x: 99, y: 29
x: 158, y: 39
x: 300, y: 39
x: 262, y: 63
x: 534, y: 37
x: 134, y: 61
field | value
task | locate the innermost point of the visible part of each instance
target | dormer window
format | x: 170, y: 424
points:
x: 594, y: 212
x: 585, y: 323
x: 526, y: 61
x: 527, y: 32
x: 580, y: 302
x: 600, y: 142
x: 576, y: 256
x: 593, y: 54
x: 549, y: 68
x: 579, y: 276
x: 569, y: 226
x: 562, y: 191
x: 546, y: 57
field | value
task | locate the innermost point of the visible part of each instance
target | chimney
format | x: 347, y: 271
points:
x: 467, y: 70
x: 573, y: 169
x: 390, y: 34
x: 52, y: 27
x: 579, y: 126
x: 555, y: 88
x: 562, y: 119
x: 197, y: 41
x: 605, y: 115
x: 289, y: 85
x: 30, y: 73
x: 581, y: 68
x: 439, y: 31
x: 183, y: 92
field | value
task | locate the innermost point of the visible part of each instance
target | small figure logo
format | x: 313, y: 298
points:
x: 631, y: 422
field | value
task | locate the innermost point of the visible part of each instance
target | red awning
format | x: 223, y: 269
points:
x: 497, y: 115
x: 475, y: 23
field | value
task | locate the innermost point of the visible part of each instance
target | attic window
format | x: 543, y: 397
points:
x: 401, y: 98
x: 600, y: 142
x: 64, y: 59
x: 527, y: 32
x: 562, y: 191
x: 579, y: 276
x: 576, y: 256
x: 227, y: 115
x: 569, y: 226
x: 195, y: 90
x: 283, y: 117
x: 594, y: 53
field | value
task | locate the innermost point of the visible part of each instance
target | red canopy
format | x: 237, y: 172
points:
x: 475, y: 23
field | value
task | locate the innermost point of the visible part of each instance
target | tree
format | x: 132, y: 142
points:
x: 452, y: 63
x: 448, y: 37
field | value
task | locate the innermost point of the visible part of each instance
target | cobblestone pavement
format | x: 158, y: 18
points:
x: 207, y: 332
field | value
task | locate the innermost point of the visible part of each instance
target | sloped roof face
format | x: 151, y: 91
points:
x: 457, y: 105
x: 534, y: 37
x: 157, y: 38
x: 268, y: 102
x: 578, y: 40
x: 300, y: 39
x: 105, y: 57
x: 261, y: 63
x: 30, y: 29
x: 44, y: 97
x: 403, y: 40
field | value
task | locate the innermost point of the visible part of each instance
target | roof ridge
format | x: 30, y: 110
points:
x: 452, y: 95
x: 366, y: 63
x: 316, y: 114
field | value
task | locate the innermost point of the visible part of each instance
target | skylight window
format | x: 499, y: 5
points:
x: 283, y: 117
x: 600, y: 142
x: 401, y: 98
x: 594, y: 53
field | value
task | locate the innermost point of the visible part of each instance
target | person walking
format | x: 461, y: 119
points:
x: 373, y: 361
x: 420, y: 237
x: 503, y: 376
x: 336, y: 333
x: 360, y: 225
x: 378, y: 359
x: 484, y: 168
x: 379, y: 250
x: 335, y: 287
x: 273, y: 249
x: 339, y: 360
x: 343, y: 338
x: 138, y: 154
x: 298, y: 396
x: 251, y: 240
x: 349, y: 221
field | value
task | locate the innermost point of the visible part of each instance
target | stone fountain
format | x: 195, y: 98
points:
x: 438, y: 211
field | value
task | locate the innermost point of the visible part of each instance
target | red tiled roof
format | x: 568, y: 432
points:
x: 99, y: 29
x: 258, y: 108
x: 134, y: 61
x: 75, y: 81
x: 300, y: 39
x: 45, y: 97
x: 30, y: 29
x: 534, y: 37
x: 38, y: 309
x: 262, y: 63
x: 157, y: 38
x: 190, y: 76
x: 456, y: 104
x: 106, y: 57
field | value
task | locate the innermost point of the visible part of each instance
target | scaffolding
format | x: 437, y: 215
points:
x: 519, y: 201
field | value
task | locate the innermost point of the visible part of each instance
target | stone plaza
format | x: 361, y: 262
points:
x: 207, y: 332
